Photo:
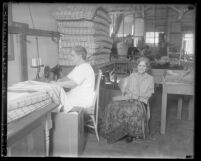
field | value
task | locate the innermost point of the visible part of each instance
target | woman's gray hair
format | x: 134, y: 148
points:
x: 79, y: 50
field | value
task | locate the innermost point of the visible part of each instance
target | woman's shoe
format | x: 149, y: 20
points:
x: 129, y: 139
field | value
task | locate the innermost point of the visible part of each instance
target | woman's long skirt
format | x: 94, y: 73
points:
x: 121, y: 118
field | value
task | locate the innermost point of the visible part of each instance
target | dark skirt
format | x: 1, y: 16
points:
x: 122, y: 118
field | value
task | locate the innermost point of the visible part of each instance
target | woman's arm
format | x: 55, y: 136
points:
x: 150, y: 89
x: 66, y: 84
x: 123, y: 85
x: 63, y: 79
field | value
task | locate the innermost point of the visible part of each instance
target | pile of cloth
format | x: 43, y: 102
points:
x: 180, y: 76
x: 84, y: 25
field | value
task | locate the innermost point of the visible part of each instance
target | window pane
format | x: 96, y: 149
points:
x: 189, y: 48
x: 149, y: 34
x: 188, y: 35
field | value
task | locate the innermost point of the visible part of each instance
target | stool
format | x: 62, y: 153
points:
x: 68, y: 135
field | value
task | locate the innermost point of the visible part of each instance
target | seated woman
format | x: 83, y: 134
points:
x: 128, y: 115
x: 80, y: 80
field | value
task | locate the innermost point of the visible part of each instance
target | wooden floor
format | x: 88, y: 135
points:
x: 176, y: 143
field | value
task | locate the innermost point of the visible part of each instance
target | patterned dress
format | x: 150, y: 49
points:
x: 126, y: 117
x: 121, y: 118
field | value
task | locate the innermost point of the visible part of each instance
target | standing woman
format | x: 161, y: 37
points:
x: 128, y: 114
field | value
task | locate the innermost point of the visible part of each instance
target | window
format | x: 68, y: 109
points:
x: 188, y: 43
x: 152, y: 38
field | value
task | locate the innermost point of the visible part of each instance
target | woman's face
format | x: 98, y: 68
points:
x: 141, y: 68
x: 75, y: 58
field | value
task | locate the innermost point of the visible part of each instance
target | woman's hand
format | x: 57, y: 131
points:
x: 63, y: 79
x: 59, y: 80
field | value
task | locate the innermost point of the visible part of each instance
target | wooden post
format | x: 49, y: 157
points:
x: 179, y: 109
x: 168, y: 30
x: 23, y: 50
x: 123, y: 26
x: 154, y: 23
x: 191, y: 108
x: 23, y: 47
x: 164, y: 110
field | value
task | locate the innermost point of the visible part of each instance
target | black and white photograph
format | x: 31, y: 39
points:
x: 99, y: 80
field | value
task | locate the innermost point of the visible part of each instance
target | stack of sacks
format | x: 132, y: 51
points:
x: 99, y: 58
x: 87, y: 26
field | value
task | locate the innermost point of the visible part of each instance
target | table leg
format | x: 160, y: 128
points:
x: 191, y: 108
x: 179, y: 110
x: 163, y: 112
x: 48, y: 126
x: 46, y: 139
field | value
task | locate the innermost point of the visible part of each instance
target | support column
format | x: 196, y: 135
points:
x: 191, y: 108
x: 179, y: 109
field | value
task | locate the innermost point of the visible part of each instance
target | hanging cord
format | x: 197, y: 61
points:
x: 34, y: 28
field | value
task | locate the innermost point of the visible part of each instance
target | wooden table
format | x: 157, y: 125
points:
x: 30, y: 135
x: 180, y: 89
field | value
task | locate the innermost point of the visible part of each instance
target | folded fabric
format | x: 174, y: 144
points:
x: 23, y: 111
x: 86, y: 38
x: 52, y: 89
x: 86, y: 44
x: 99, y: 56
x: 104, y: 15
x: 77, y: 12
x: 24, y: 99
x: 101, y: 21
x: 66, y: 62
x: 83, y: 31
x: 179, y: 79
x: 179, y: 76
x: 63, y: 52
x: 98, y: 62
x: 82, y: 24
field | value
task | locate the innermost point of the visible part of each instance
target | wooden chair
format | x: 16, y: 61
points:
x: 92, y: 111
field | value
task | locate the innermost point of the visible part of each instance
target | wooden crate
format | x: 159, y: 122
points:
x: 68, y: 135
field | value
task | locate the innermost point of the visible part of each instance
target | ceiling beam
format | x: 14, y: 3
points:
x: 32, y: 32
x: 180, y: 12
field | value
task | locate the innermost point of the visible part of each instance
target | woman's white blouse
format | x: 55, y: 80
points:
x: 83, y: 94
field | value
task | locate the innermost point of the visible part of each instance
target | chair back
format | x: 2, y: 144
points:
x: 97, y: 89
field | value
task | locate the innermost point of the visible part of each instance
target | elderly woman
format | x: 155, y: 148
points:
x: 128, y: 115
x: 80, y: 81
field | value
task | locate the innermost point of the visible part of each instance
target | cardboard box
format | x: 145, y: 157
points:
x: 68, y: 135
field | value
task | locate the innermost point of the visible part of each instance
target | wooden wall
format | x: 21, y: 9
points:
x: 48, y: 50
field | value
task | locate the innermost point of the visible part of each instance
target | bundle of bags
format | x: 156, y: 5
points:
x: 84, y: 25
x: 98, y: 59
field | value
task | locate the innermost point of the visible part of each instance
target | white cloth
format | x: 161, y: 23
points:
x: 54, y: 91
x: 83, y: 94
